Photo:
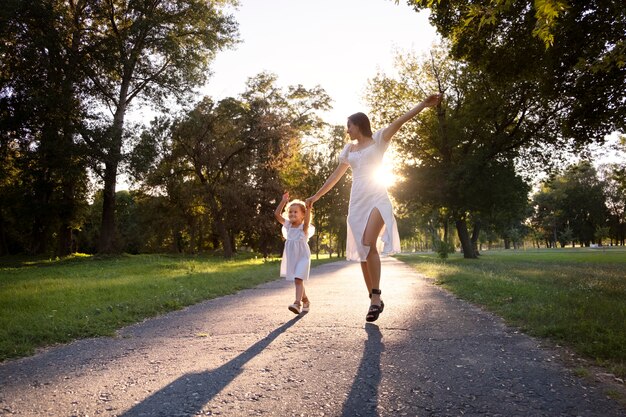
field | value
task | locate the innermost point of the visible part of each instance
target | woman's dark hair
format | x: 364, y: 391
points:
x: 362, y: 122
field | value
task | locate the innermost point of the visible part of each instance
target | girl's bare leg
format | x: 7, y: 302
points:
x: 299, y: 290
x: 304, y: 297
x: 374, y: 225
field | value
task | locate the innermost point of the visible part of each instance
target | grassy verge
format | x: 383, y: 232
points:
x: 574, y: 297
x: 46, y: 302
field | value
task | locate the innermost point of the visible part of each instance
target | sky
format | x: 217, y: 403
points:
x: 337, y: 44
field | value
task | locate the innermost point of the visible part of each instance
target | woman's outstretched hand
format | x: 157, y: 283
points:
x: 432, y: 100
x: 309, y: 202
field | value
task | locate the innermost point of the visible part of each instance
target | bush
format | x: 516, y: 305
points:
x: 443, y: 249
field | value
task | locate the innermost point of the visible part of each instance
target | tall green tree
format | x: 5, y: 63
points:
x: 41, y: 110
x: 145, y: 50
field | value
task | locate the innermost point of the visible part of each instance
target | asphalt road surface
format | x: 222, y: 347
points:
x: 429, y: 354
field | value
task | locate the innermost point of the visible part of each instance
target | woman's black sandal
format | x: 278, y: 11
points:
x: 382, y: 304
x: 375, y: 310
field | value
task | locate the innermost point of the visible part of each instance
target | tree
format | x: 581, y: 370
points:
x: 566, y: 236
x: 569, y: 55
x: 571, y: 205
x: 233, y: 156
x: 548, y: 216
x: 585, y: 202
x: 613, y: 176
x: 41, y: 86
x: 146, y: 50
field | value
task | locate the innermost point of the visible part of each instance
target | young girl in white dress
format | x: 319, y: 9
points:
x: 372, y: 228
x: 296, y: 261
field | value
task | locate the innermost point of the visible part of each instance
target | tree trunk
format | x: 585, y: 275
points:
x: 113, y: 158
x: 224, y: 237
x: 474, y: 238
x: 200, y: 241
x: 67, y: 214
x: 72, y: 155
x: 4, y: 247
x: 219, y: 223
x: 107, y: 229
x: 39, y: 238
x: 464, y: 237
x: 64, y: 240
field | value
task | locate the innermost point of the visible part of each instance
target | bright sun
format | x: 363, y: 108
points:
x: 387, y: 173
x: 385, y: 176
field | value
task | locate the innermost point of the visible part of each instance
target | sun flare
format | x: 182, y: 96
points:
x: 385, y: 175
x: 388, y: 172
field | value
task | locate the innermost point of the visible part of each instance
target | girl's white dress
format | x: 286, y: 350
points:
x: 296, y: 260
x: 365, y: 195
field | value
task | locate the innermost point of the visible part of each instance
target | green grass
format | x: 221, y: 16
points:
x: 44, y: 302
x: 576, y: 297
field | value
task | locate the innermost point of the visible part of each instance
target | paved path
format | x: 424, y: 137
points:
x: 246, y: 355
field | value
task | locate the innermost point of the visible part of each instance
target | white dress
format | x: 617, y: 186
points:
x: 365, y: 195
x: 296, y: 260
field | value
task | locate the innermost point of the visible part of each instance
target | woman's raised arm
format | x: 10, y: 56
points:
x: 394, y: 126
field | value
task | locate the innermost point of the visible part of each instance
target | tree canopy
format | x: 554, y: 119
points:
x: 571, y: 54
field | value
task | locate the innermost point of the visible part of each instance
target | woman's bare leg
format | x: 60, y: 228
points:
x: 374, y: 225
x: 366, y: 277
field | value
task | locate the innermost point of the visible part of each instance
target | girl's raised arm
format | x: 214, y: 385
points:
x: 307, y: 220
x: 278, y: 213
x: 391, y: 130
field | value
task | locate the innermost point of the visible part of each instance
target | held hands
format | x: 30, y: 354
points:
x: 309, y: 202
x: 433, y: 100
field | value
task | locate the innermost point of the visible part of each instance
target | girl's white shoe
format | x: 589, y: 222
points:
x: 306, y: 305
x: 295, y: 308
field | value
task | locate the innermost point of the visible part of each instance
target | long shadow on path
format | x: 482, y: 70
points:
x: 363, y: 397
x: 191, y: 392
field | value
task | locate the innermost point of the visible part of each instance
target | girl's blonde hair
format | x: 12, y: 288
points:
x: 298, y: 203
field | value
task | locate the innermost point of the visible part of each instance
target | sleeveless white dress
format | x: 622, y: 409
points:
x: 296, y: 260
x: 365, y: 195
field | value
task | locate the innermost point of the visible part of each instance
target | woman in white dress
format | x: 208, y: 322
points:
x: 372, y: 228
